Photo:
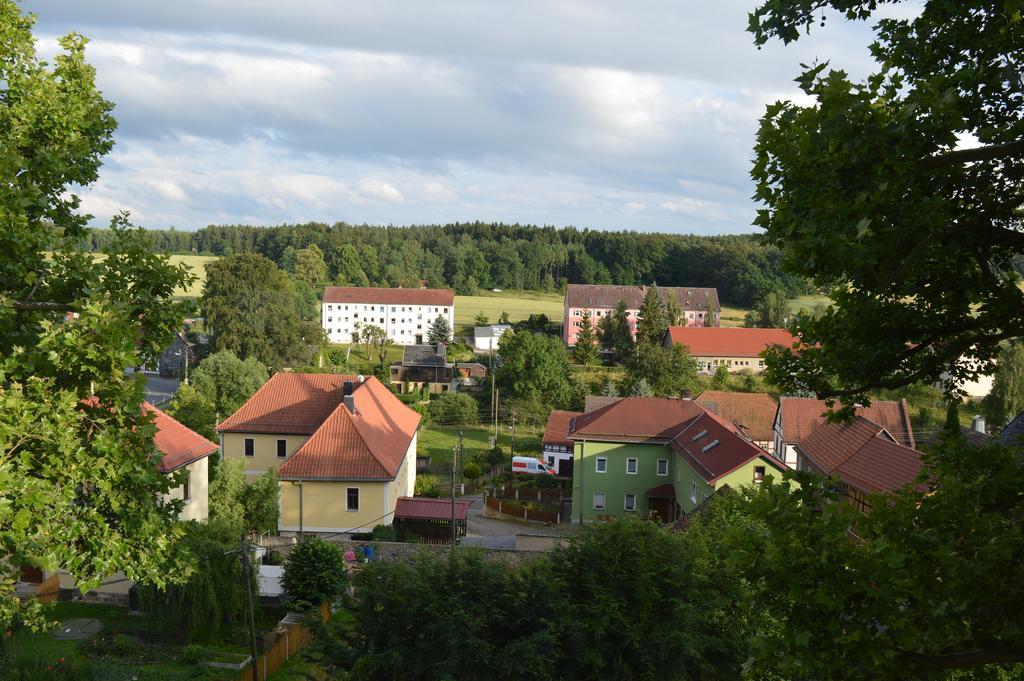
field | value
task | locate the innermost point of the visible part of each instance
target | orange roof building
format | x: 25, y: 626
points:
x: 183, y: 448
x: 659, y: 456
x: 344, y: 448
x: 862, y: 455
x: 752, y: 413
x: 798, y: 417
x: 736, y: 348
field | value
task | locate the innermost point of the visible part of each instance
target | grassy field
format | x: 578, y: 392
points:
x: 518, y: 304
x: 734, y: 316
x: 437, y: 441
x: 197, y: 264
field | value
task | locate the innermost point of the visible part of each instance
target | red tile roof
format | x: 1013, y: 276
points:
x: 635, y: 418
x: 389, y: 296
x: 420, y: 508
x: 713, y: 341
x: 368, y: 444
x: 713, y: 448
x: 607, y: 296
x: 557, y: 430
x: 755, y: 412
x: 861, y: 454
x: 288, y: 404
x: 802, y: 415
x: 179, y: 444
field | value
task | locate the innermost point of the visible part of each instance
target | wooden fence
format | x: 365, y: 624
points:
x: 290, y: 639
x: 514, y: 510
x: 550, y: 495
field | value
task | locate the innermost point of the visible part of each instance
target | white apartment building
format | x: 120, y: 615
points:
x: 405, y: 314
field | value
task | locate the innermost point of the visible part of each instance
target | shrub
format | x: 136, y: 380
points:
x: 454, y: 409
x: 314, y: 572
x: 193, y: 654
x: 471, y: 471
x: 426, y: 486
x: 384, y: 533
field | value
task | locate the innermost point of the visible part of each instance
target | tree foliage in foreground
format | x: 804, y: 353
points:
x: 314, y: 572
x: 920, y: 585
x: 79, y: 488
x: 867, y: 193
x: 626, y: 600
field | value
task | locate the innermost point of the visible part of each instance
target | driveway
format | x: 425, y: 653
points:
x: 492, y: 533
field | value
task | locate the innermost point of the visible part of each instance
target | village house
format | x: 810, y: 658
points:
x: 753, y: 414
x: 862, y: 456
x: 343, y: 447
x: 737, y: 349
x: 555, y: 443
x: 698, y: 306
x: 661, y: 456
x: 798, y: 417
x: 405, y: 314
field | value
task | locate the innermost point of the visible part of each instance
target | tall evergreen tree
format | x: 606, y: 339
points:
x: 653, y: 320
x: 673, y: 313
x: 440, y: 331
x: 585, y: 351
x: 614, y: 334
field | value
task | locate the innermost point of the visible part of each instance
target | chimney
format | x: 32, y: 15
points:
x: 350, y: 403
x: 346, y: 388
x: 978, y: 424
x: 685, y: 394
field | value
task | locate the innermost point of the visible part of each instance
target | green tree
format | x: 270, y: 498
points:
x: 614, y: 334
x: 244, y: 506
x: 225, y: 382
x: 667, y: 371
x: 194, y: 410
x: 454, y: 409
x: 673, y: 313
x: 439, y: 332
x: 375, y: 344
x: 79, y: 486
x: 585, y: 351
x: 260, y: 501
x: 309, y: 267
x: 641, y: 388
x: 503, y: 318
x: 652, y: 322
x: 720, y: 379
x: 533, y: 366
x: 1006, y: 399
x: 769, y: 313
x: 314, y: 572
x: 481, y: 319
x: 929, y: 599
x: 471, y: 471
x: 251, y: 310
x: 863, y: 191
x: 348, y: 266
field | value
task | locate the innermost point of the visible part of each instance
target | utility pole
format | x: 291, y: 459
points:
x: 512, y: 449
x: 250, y: 615
x: 496, y: 397
x: 453, y: 496
x: 462, y: 461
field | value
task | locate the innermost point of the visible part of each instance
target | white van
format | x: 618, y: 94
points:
x: 531, y: 466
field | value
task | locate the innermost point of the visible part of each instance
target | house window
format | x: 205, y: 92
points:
x: 551, y: 461
x: 186, y: 489
x: 250, y: 447
x: 631, y: 466
x: 693, y: 491
x: 662, y: 466
x: 282, y: 449
x: 598, y: 501
x: 758, y: 473
x: 630, y: 502
x: 352, y: 499
x: 602, y: 465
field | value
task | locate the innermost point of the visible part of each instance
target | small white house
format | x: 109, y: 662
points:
x: 485, y: 338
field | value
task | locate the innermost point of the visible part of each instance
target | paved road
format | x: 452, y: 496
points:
x: 160, y: 390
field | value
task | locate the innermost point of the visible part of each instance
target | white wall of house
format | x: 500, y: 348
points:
x: 197, y: 505
x: 404, y: 324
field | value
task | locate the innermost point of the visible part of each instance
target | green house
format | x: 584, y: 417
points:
x: 663, y: 456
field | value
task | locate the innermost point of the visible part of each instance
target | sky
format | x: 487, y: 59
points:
x: 593, y: 113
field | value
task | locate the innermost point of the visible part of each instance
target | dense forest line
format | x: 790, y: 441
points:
x: 471, y: 256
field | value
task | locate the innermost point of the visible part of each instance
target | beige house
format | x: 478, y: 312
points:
x: 736, y: 348
x: 343, y: 447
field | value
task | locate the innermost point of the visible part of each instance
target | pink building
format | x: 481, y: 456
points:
x: 696, y: 305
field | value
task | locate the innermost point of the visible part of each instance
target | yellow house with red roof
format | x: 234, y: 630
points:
x: 343, y: 447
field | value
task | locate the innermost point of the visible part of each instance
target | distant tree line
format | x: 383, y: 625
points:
x: 471, y: 256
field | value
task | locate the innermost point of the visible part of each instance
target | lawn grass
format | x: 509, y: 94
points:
x: 437, y: 441
x: 519, y: 305
x: 197, y: 265
x: 357, y: 357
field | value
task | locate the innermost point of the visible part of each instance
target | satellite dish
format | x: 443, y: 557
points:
x: 360, y: 378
